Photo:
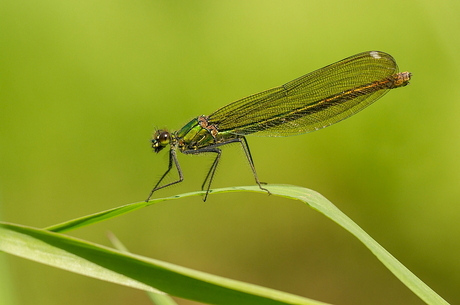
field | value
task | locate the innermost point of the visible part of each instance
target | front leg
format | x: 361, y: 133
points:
x: 172, y: 159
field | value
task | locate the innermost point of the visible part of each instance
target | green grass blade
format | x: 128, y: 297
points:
x: 156, y: 298
x: 313, y: 199
x: 118, y: 211
x: 324, y: 206
x: 135, y: 271
x: 6, y: 284
x: 161, y: 299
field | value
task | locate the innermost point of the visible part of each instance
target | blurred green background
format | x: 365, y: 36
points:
x: 83, y: 85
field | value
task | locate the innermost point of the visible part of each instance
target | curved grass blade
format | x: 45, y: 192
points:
x: 310, y: 197
x: 118, y: 211
x: 134, y: 270
x: 156, y: 298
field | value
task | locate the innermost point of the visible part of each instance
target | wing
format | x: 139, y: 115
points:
x: 315, y: 100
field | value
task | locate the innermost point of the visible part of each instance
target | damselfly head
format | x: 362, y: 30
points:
x: 161, y: 139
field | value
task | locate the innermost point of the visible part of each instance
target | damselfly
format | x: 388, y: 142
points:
x: 308, y: 103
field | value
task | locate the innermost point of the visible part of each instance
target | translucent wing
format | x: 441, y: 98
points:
x: 313, y: 101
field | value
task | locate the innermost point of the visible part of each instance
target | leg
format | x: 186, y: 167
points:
x: 245, y: 145
x: 212, y: 170
x: 172, y: 158
x: 211, y: 173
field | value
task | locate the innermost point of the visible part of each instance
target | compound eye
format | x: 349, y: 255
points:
x: 160, y: 140
x: 163, y: 138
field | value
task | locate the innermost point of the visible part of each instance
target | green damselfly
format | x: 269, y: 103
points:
x: 308, y: 103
